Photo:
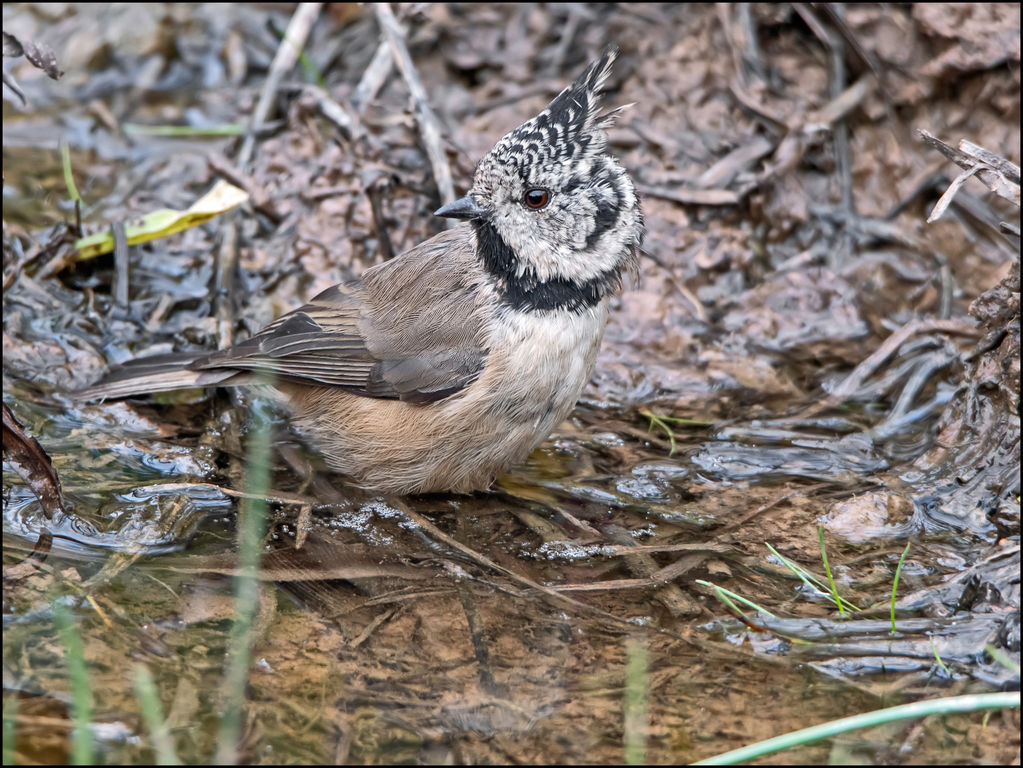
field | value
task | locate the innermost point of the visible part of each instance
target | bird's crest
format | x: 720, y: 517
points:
x: 571, y: 126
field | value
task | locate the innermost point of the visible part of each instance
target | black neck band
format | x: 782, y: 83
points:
x: 527, y: 291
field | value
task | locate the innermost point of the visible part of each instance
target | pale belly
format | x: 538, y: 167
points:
x: 532, y: 380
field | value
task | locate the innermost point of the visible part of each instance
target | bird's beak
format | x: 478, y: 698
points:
x: 463, y: 208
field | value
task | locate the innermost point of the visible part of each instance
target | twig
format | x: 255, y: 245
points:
x: 32, y: 464
x: 287, y: 54
x: 478, y: 636
x: 810, y: 19
x: 996, y: 180
x: 376, y: 190
x: 840, y: 136
x: 840, y: 106
x: 834, y: 13
x: 690, y: 196
x: 122, y: 264
x: 751, y: 58
x: 429, y: 126
x: 608, y: 586
x: 333, y: 111
x: 927, y: 366
x: 643, y: 566
x: 953, y: 189
x: 999, y: 163
x: 855, y: 380
x: 725, y: 19
x: 35, y: 253
x: 303, y: 524
x: 372, y: 626
x: 742, y: 40
x: 775, y: 120
x: 436, y: 533
x: 735, y: 162
x: 373, y: 78
x: 227, y: 259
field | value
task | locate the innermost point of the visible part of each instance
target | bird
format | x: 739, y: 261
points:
x: 442, y: 368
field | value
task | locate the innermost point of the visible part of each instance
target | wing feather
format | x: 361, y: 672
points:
x: 410, y: 329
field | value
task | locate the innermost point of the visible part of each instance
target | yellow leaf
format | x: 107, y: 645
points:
x: 221, y: 199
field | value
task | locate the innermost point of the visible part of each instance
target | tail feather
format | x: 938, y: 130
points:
x: 148, y: 375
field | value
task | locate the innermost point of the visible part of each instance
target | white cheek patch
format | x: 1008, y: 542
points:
x: 587, y: 233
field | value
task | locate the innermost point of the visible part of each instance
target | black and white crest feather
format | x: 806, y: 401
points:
x: 571, y: 123
x: 572, y: 252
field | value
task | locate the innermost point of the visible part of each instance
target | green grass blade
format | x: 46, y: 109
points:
x: 657, y: 421
x: 807, y: 578
x: 941, y: 663
x: 251, y: 527
x: 827, y: 571
x: 184, y: 131
x: 81, y: 692
x: 10, y: 727
x: 726, y: 596
x: 152, y: 713
x: 636, y: 691
x: 687, y: 422
x: 895, y: 582
x: 69, y: 178
x: 950, y: 705
x: 804, y: 575
x: 1002, y: 658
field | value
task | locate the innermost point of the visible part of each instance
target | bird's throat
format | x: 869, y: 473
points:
x: 523, y: 290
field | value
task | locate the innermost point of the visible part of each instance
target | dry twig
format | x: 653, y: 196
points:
x: 434, y: 532
x: 373, y: 78
x: 429, y: 126
x: 287, y: 54
x: 859, y: 375
x: 999, y: 175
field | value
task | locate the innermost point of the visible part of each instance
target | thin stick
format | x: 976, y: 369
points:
x: 429, y: 126
x: 287, y: 54
x: 436, y: 533
x: 223, y: 303
x: 284, y: 60
x: 994, y: 179
x: 122, y: 264
x: 855, y: 380
x: 373, y: 78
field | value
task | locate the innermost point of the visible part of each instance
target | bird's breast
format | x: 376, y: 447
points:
x: 540, y: 362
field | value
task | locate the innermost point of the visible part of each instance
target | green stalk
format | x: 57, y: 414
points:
x: 946, y: 706
x: 152, y: 713
x: 81, y: 693
x: 726, y: 596
x: 10, y: 727
x: 895, y: 583
x: 69, y: 179
x: 636, y: 684
x: 827, y: 571
x: 251, y: 526
x: 184, y: 131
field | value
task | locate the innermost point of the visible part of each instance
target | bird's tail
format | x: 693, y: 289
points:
x: 148, y: 375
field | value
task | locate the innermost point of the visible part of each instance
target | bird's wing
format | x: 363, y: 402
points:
x: 410, y: 329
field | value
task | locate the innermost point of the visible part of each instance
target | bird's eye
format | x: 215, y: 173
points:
x: 536, y: 198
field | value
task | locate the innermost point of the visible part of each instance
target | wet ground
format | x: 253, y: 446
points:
x: 803, y: 352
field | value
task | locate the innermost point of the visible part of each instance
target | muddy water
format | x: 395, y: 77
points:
x: 507, y: 625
